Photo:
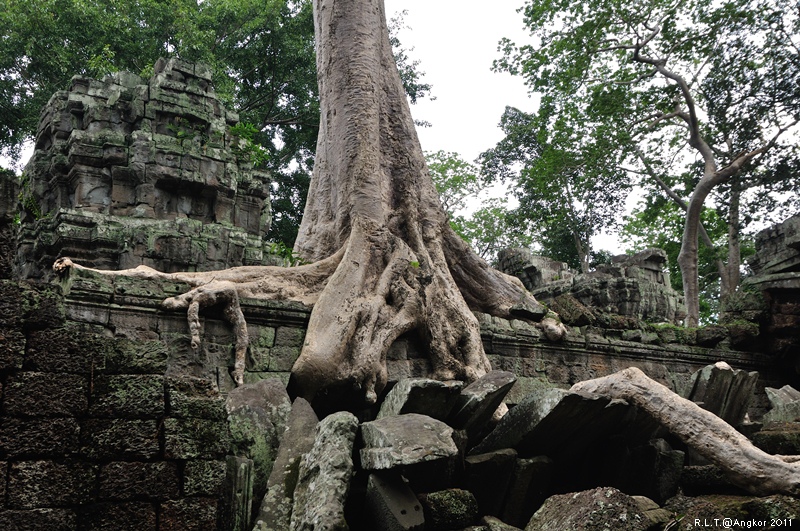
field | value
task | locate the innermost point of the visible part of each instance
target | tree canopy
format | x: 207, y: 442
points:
x: 697, y: 98
x: 567, y: 191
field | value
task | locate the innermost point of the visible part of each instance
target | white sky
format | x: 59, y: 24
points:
x: 456, y: 42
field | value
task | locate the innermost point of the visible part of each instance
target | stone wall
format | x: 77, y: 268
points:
x: 771, y: 297
x: 632, y: 286
x: 94, y: 434
x: 111, y: 420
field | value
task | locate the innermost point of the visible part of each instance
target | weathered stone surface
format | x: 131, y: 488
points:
x: 120, y: 438
x: 391, y: 505
x: 46, y: 394
x: 38, y: 519
x: 494, y: 524
x: 238, y: 497
x: 657, y: 516
x: 188, y: 514
x: 148, y: 173
x: 601, y: 508
x: 554, y: 422
x: 269, y: 395
x: 204, y: 478
x: 189, y: 397
x: 653, y: 469
x: 276, y: 508
x: 635, y: 286
x: 785, y: 404
x: 195, y: 439
x: 421, y: 395
x: 128, y: 396
x: 123, y: 516
x: 529, y: 487
x: 39, y: 437
x: 257, y: 415
x: 479, y: 400
x: 449, y: 509
x: 324, y: 479
x: 35, y: 484
x: 723, y: 390
x: 12, y: 348
x: 137, y: 480
x: 488, y: 477
x: 391, y: 442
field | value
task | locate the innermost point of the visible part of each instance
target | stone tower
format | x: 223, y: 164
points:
x: 128, y: 171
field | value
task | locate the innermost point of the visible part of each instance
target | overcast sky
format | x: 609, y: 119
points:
x: 456, y: 42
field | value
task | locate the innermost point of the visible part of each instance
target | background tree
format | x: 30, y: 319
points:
x: 704, y: 81
x: 567, y: 191
x: 486, y: 224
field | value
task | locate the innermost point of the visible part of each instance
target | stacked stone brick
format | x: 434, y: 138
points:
x: 635, y: 286
x: 771, y: 296
x: 128, y: 171
x: 94, y: 435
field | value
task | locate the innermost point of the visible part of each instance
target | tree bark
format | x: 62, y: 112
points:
x: 730, y: 282
x: 745, y: 465
x: 384, y: 260
x: 404, y: 268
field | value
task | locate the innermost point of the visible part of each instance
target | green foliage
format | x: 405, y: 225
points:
x: 636, y: 92
x: 456, y: 180
x: 570, y: 191
x: 248, y: 149
x: 488, y: 229
x: 287, y: 254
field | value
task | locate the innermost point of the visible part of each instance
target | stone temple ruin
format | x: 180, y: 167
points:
x: 129, y: 171
x: 111, y: 421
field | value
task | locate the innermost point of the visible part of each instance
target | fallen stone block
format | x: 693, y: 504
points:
x: 401, y: 440
x: 276, y: 507
x: 478, y: 401
x: 488, y: 477
x: 724, y: 391
x: 785, y: 404
x: 421, y: 395
x: 555, y: 422
x: 658, y: 517
x: 529, y: 488
x: 238, y: 493
x: 391, y: 505
x: 494, y: 524
x: 325, y: 473
x: 449, y: 509
x: 600, y: 508
x: 269, y: 395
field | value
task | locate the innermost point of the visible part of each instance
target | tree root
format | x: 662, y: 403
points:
x: 745, y: 465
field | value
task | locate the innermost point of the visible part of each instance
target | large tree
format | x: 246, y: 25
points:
x: 382, y: 258
x: 705, y: 82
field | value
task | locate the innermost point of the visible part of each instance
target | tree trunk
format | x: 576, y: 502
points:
x: 403, y: 267
x: 687, y: 258
x: 730, y: 283
x: 745, y: 465
x: 385, y: 261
